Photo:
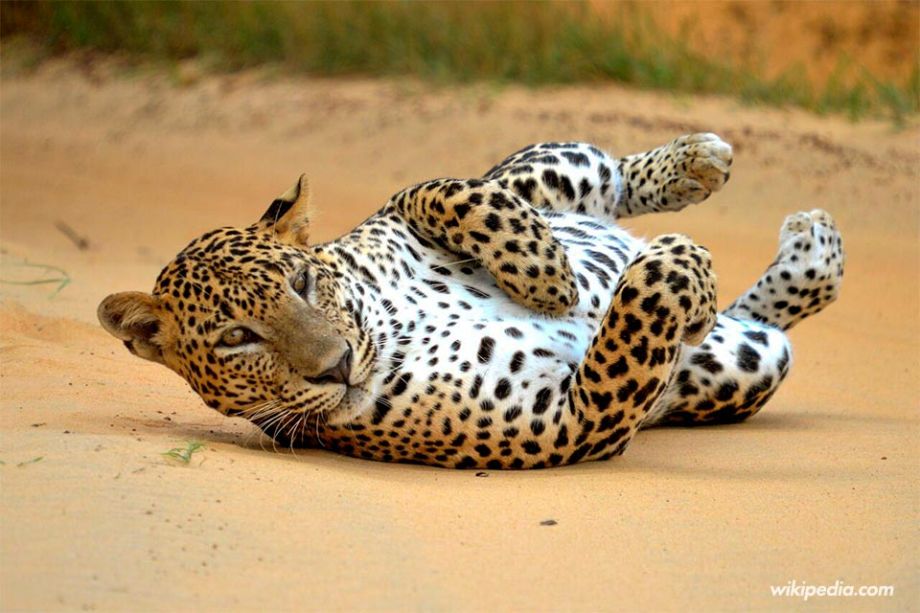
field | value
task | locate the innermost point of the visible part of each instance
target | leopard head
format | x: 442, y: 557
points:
x: 257, y: 321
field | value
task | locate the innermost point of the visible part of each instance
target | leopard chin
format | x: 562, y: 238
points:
x: 358, y: 400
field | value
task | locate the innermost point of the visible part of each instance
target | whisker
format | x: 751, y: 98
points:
x: 456, y: 263
x: 295, y: 426
x: 259, y: 410
x: 318, y: 438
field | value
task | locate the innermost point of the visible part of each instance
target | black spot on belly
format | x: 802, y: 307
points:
x: 764, y: 385
x: 477, y: 384
x: 707, y: 362
x: 525, y: 188
x: 758, y: 337
x: 437, y: 286
x: 726, y: 391
x: 486, y: 345
x: 567, y: 188
x: 748, y: 358
x: 537, y: 427
x: 503, y: 389
x: 783, y: 362
x: 541, y: 404
x: 603, y: 259
x: 517, y: 361
x: 577, y: 159
x: 477, y: 292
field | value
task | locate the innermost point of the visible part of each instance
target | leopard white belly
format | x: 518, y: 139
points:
x: 456, y: 325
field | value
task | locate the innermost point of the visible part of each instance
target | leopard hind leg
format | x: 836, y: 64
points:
x: 740, y: 365
x: 804, y: 278
x: 727, y: 378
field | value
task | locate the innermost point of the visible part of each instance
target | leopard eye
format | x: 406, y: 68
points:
x: 300, y: 283
x: 234, y: 337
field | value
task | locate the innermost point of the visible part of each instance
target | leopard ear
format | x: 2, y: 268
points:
x: 288, y: 217
x: 132, y: 317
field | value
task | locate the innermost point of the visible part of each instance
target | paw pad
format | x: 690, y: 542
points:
x: 701, y: 164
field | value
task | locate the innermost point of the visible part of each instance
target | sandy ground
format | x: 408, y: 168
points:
x: 822, y: 486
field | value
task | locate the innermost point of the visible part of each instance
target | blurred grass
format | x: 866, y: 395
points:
x: 534, y: 43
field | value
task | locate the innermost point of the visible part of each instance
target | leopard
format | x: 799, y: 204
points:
x: 499, y: 322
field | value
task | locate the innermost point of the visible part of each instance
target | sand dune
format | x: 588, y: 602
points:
x: 821, y: 486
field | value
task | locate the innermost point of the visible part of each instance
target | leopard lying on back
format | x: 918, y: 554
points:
x: 460, y: 327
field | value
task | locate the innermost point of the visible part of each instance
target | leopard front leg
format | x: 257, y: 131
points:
x: 683, y: 172
x: 582, y: 178
x: 481, y: 220
x: 573, y: 177
x: 664, y: 298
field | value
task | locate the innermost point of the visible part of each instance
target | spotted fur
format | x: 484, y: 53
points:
x: 502, y: 322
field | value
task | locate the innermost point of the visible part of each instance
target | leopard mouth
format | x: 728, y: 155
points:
x: 340, y: 374
x: 356, y: 400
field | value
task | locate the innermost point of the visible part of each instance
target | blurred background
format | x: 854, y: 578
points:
x: 852, y: 57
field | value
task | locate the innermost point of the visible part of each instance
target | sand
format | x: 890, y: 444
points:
x: 821, y: 486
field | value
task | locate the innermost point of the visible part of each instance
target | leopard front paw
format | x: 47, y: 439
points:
x: 693, y: 167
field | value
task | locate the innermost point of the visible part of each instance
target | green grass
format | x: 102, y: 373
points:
x: 26, y: 462
x: 59, y: 277
x: 184, y: 454
x: 531, y: 42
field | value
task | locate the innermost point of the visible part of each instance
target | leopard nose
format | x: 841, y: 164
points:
x: 338, y: 373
